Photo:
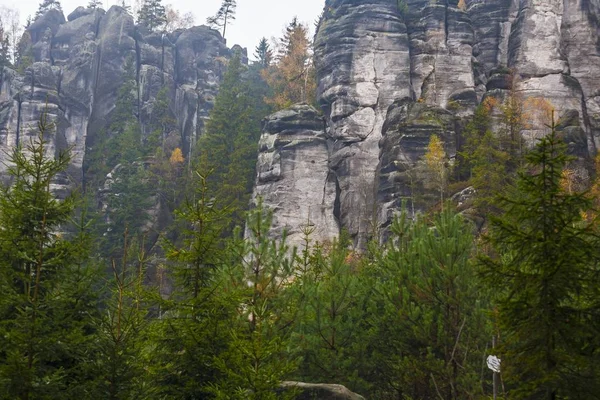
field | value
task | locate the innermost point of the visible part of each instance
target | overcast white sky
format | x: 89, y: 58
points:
x: 255, y: 18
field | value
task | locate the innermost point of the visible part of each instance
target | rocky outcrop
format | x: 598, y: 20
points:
x: 79, y: 65
x: 403, y: 180
x: 363, y: 64
x: 293, y: 176
x: 391, y: 74
x: 320, y: 391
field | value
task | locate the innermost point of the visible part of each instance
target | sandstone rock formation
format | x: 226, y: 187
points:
x: 79, y: 65
x: 294, y: 179
x: 390, y: 74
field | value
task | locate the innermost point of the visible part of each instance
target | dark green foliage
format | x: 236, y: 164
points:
x: 331, y: 300
x: 152, y: 15
x: 263, y: 53
x: 229, y: 147
x: 4, y: 49
x: 485, y: 160
x: 255, y: 277
x: 195, y: 323
x: 545, y: 270
x: 47, y: 5
x: 47, y: 298
x: 430, y: 306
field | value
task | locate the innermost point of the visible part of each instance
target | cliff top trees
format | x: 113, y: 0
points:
x: 47, y: 5
x: 152, y: 14
x: 225, y: 15
x: 292, y: 79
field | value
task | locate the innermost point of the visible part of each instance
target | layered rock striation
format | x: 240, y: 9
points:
x: 393, y: 73
x: 78, y: 65
x: 293, y: 176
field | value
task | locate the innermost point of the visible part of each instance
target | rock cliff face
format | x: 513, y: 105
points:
x: 392, y: 73
x: 79, y: 64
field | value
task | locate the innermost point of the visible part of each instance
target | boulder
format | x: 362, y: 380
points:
x: 321, y: 391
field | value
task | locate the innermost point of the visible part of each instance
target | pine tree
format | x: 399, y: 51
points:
x: 47, y: 5
x: 4, y: 49
x: 426, y: 319
x: 196, y: 318
x: 152, y: 15
x: 544, y: 269
x: 257, y: 272
x: 224, y: 16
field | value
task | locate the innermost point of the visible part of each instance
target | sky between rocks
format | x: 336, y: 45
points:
x: 255, y: 18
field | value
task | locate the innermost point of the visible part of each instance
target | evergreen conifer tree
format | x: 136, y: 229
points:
x: 263, y: 53
x: 47, y: 5
x: 152, y: 14
x: 545, y: 270
x: 47, y: 297
x: 229, y: 146
x: 224, y: 16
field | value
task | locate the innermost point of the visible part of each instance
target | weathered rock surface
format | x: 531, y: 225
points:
x: 321, y: 391
x: 402, y: 178
x: 79, y: 64
x: 294, y: 179
x: 363, y: 65
x: 391, y: 76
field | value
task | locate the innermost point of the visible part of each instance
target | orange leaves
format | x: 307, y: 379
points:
x: 292, y: 79
x: 176, y: 157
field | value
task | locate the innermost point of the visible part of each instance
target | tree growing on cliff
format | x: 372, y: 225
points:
x: 436, y: 165
x: 175, y: 20
x: 46, y: 6
x: 292, y: 78
x: 545, y: 267
x: 224, y: 16
x: 152, y: 14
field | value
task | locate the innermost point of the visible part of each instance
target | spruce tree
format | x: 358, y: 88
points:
x: 152, y: 14
x: 47, y: 297
x: 544, y: 269
x: 224, y: 16
x: 263, y: 53
x: 229, y: 145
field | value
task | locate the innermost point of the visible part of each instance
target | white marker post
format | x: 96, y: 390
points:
x: 493, y: 363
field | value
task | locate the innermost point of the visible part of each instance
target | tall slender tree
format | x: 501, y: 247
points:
x: 263, y: 53
x: 224, y: 16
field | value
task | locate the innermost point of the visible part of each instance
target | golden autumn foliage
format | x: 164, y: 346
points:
x: 292, y: 78
x: 462, y: 5
x: 176, y: 157
x: 435, y: 163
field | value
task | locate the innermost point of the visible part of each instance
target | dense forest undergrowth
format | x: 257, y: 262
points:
x: 411, y: 319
